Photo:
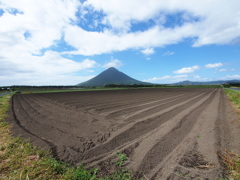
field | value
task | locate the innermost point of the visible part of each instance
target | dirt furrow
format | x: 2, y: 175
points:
x: 136, y: 130
x: 25, y: 132
x: 139, y: 113
x: 116, y: 102
x: 139, y: 106
x: 52, y: 128
x: 139, y: 147
x: 198, y: 159
x: 162, y: 148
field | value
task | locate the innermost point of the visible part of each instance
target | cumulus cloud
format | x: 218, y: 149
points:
x: 216, y: 65
x: 207, y: 26
x: 41, y: 24
x: 41, y: 21
x: 27, y: 69
x: 113, y: 63
x: 93, y: 43
x: 187, y: 70
x: 148, y: 51
x: 28, y: 31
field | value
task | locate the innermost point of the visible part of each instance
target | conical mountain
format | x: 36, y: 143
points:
x: 111, y: 76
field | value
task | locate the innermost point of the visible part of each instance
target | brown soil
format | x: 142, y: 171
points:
x: 165, y: 133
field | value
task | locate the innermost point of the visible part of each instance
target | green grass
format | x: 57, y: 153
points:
x: 231, y: 159
x: 20, y: 160
x: 234, y: 96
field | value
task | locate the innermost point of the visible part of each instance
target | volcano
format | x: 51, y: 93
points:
x: 111, y: 76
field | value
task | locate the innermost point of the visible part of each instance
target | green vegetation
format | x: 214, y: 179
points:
x: 121, y: 160
x: 20, y: 160
x: 231, y: 159
x: 234, y: 96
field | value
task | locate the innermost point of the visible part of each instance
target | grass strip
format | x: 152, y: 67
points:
x: 20, y: 160
x: 231, y: 159
x: 234, y: 97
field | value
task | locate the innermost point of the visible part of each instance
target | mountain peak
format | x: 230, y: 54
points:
x: 111, y: 69
x: 111, y: 76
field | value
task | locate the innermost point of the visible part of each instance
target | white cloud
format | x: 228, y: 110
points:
x: 208, y: 26
x: 25, y: 35
x: 148, y: 51
x: 216, y: 65
x: 222, y: 70
x: 186, y: 70
x: 92, y: 43
x: 25, y: 68
x: 113, y: 63
x: 168, y: 53
x: 47, y: 21
x: 171, y: 78
x: 23, y: 78
x: 197, y: 77
x: 236, y: 76
x: 43, y: 21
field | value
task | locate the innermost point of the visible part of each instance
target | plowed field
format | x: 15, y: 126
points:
x: 166, y: 133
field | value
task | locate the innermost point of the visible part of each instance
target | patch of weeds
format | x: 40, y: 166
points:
x: 82, y: 173
x: 120, y: 173
x: 197, y: 136
x: 234, y: 96
x: 122, y: 159
x: 232, y: 161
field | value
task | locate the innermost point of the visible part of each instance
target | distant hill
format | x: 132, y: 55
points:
x: 208, y: 82
x: 111, y: 76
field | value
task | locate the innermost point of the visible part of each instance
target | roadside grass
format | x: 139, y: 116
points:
x: 234, y: 96
x: 231, y: 159
x: 20, y: 160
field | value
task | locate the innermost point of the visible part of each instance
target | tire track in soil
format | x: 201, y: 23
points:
x: 135, y: 131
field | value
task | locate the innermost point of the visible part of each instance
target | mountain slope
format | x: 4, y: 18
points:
x: 111, y: 76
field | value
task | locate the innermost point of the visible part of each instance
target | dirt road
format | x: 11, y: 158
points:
x: 165, y: 133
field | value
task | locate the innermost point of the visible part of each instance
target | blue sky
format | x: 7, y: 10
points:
x: 66, y: 42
